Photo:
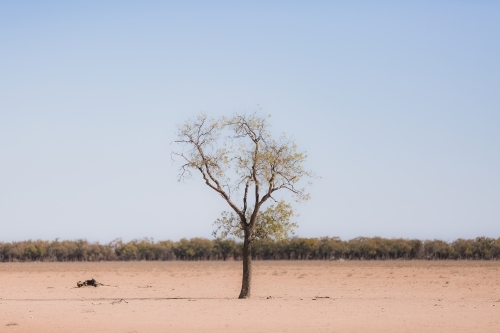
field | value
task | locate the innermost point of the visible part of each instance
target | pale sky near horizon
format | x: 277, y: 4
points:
x: 397, y: 104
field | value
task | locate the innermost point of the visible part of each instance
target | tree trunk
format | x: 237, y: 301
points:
x: 247, y: 267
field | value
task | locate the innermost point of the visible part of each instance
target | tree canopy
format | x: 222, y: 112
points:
x: 240, y: 159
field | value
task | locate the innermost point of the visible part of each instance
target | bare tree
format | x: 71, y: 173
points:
x: 238, y: 158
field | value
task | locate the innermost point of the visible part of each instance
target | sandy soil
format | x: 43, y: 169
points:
x: 310, y: 296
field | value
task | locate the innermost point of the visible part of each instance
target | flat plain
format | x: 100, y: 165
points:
x: 287, y: 296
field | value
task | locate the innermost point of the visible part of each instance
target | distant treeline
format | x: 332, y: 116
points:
x: 325, y: 248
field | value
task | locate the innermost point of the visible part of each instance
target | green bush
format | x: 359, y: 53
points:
x: 325, y: 248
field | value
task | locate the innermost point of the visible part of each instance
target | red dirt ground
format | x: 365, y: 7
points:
x: 308, y: 296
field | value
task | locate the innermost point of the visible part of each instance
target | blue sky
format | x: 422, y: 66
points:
x: 396, y: 103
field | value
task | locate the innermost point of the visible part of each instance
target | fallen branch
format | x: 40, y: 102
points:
x: 118, y: 302
x: 90, y: 283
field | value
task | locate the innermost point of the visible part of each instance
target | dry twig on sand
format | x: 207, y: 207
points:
x: 118, y: 302
x: 91, y: 283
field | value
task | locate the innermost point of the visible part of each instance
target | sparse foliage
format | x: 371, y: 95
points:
x: 272, y: 224
x: 240, y: 160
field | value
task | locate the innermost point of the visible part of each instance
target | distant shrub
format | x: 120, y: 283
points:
x: 325, y: 248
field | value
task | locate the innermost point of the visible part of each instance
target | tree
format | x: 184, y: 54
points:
x: 239, y: 159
